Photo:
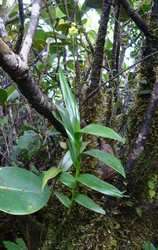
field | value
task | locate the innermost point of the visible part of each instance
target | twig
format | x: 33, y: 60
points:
x: 21, y: 29
x: 28, y: 39
x: 120, y: 73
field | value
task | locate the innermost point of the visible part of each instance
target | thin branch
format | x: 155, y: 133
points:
x: 136, y: 18
x: 99, y: 47
x: 28, y: 39
x: 139, y: 144
x: 21, y: 29
x: 119, y: 74
x: 89, y: 42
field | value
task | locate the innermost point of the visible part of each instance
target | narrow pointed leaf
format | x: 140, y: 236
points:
x: 70, y: 102
x: 50, y: 174
x: 21, y: 191
x: 105, y: 132
x: 85, y: 201
x: 97, y: 184
x: 65, y: 120
x: 67, y: 179
x: 63, y: 199
x: 108, y: 159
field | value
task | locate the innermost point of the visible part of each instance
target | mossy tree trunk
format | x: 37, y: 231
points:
x: 144, y: 169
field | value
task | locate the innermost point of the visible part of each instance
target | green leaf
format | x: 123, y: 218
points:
x: 3, y: 96
x: 71, y: 105
x: 96, y: 184
x: 105, y: 132
x: 64, y: 118
x: 108, y: 159
x: 85, y: 201
x: 149, y: 246
x: 12, y: 93
x: 67, y: 179
x: 19, y: 245
x: 63, y: 199
x: 59, y: 13
x: 29, y: 141
x: 49, y: 174
x: 21, y: 191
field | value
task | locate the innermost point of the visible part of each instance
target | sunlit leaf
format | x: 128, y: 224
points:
x: 21, y: 191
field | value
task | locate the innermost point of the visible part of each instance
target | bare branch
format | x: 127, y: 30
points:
x: 28, y: 39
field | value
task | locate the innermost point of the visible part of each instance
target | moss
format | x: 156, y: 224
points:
x: 119, y: 229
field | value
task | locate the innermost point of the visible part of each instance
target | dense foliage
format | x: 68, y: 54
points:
x: 79, y: 92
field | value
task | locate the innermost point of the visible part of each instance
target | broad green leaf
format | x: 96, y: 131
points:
x: 108, y: 159
x: 19, y: 245
x: 3, y: 96
x: 63, y: 199
x: 67, y: 179
x: 85, y: 201
x: 99, y: 130
x: 97, y: 184
x: 49, y: 174
x: 21, y: 191
x: 29, y: 141
x: 28, y: 145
